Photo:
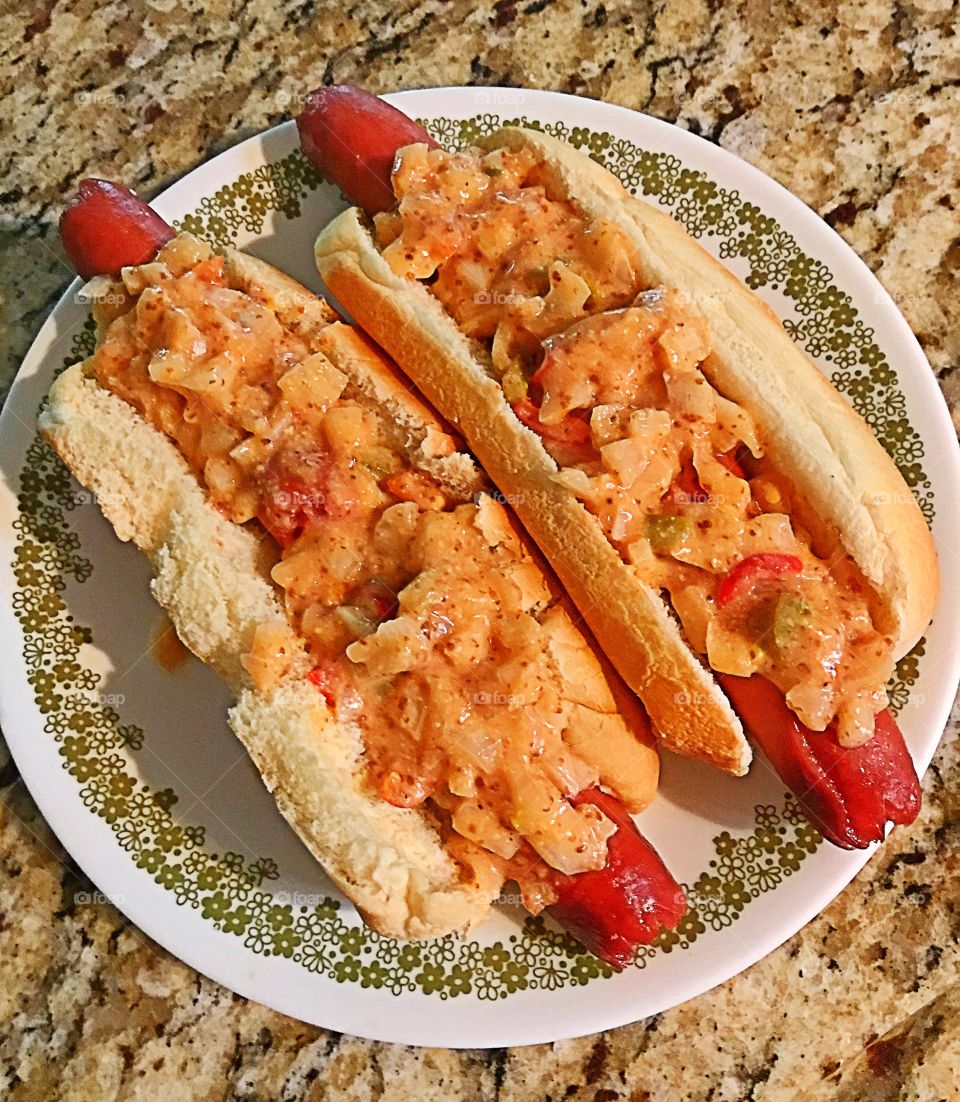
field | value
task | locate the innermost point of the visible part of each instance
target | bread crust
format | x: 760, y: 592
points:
x: 813, y: 435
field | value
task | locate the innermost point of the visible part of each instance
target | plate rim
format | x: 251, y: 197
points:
x: 586, y: 1023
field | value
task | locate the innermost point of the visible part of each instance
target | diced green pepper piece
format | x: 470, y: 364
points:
x: 380, y: 462
x: 356, y: 620
x: 541, y: 279
x: 789, y: 618
x: 667, y: 532
x: 595, y: 295
x: 514, y: 383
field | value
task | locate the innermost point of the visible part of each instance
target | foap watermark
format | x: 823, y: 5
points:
x: 691, y: 698
x: 498, y: 298
x: 895, y: 497
x: 287, y: 99
x: 505, y: 700
x: 904, y: 300
x: 111, y: 700
x: 499, y: 97
x: 902, y: 97
x: 80, y: 497
x: 294, y: 300
x: 512, y: 500
x: 108, y: 295
x: 656, y: 297
x: 299, y: 899
x: 99, y: 97
x: 312, y: 500
x: 96, y: 896
x: 697, y: 898
x: 694, y: 497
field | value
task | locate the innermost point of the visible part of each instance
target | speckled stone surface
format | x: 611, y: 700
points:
x: 856, y: 108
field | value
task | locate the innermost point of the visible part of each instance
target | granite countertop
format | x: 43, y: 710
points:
x: 856, y: 108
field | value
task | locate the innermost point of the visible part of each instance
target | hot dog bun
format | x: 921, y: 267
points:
x: 212, y: 577
x: 851, y: 491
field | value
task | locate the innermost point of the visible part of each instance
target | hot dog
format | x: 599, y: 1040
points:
x: 711, y: 503
x: 107, y: 227
x: 408, y: 680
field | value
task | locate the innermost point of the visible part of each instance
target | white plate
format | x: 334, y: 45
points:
x: 138, y: 774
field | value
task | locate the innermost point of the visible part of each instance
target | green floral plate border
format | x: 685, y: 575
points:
x: 228, y: 889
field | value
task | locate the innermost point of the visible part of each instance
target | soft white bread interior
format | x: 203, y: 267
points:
x: 854, y: 495
x: 212, y: 577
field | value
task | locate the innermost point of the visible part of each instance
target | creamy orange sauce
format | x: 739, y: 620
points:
x: 428, y: 625
x: 609, y: 372
x: 167, y: 650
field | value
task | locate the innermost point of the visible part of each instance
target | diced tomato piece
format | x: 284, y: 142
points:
x: 403, y: 790
x: 741, y: 578
x: 848, y: 793
x: 324, y: 676
x: 289, y: 501
x: 377, y: 600
x: 210, y: 271
x: 627, y: 902
x: 686, y: 488
x: 383, y: 605
x: 573, y: 431
x: 729, y: 460
x: 107, y: 228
